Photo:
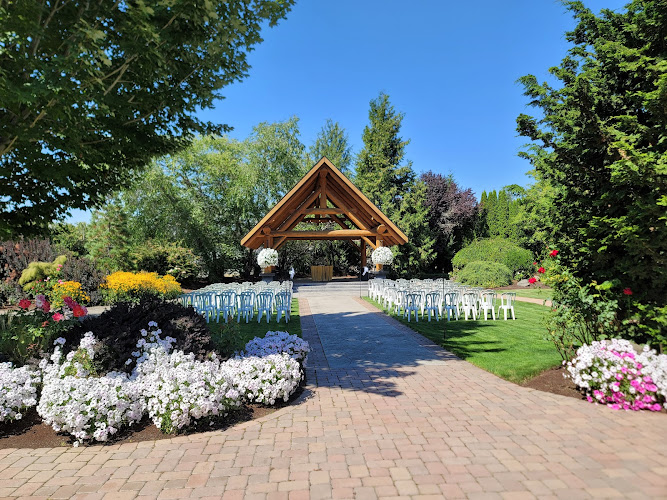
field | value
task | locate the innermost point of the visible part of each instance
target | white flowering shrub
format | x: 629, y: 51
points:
x: 76, y: 401
x: 173, y: 387
x: 267, y: 257
x: 276, y: 343
x: 382, y: 255
x: 178, y: 389
x: 264, y: 379
x: 18, y: 390
x: 612, y: 373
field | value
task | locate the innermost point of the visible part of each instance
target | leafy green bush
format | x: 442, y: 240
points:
x: 167, y: 258
x: 500, y: 250
x: 486, y: 274
x: 119, y: 329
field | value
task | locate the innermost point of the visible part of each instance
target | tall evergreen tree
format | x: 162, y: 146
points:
x: 601, y: 140
x: 333, y: 143
x: 382, y: 175
x: 502, y: 214
x: 379, y: 173
x: 110, y: 238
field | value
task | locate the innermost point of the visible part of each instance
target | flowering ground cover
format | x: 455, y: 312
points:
x: 620, y: 376
x: 175, y: 389
x: 513, y: 350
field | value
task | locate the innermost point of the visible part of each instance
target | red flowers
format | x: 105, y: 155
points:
x: 46, y: 306
x: 541, y: 270
x: 534, y: 263
x: 24, y: 303
x: 553, y: 253
x: 58, y: 317
x: 532, y: 280
x: 79, y: 311
x: 627, y: 291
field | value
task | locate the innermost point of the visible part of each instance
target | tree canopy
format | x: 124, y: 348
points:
x: 601, y: 141
x: 332, y: 142
x: 92, y: 91
x: 213, y: 192
x: 452, y: 214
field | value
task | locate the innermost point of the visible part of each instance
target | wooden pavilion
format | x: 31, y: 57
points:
x: 323, y: 195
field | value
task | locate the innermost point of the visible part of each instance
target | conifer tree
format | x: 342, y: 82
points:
x: 390, y: 183
x: 333, y: 143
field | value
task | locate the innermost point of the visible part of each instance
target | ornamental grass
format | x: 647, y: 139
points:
x: 131, y: 287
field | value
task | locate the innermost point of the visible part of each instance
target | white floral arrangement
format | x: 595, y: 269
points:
x: 612, y: 373
x: 76, y: 401
x: 265, y: 379
x: 267, y: 257
x: 18, y: 391
x: 382, y: 255
x: 276, y: 343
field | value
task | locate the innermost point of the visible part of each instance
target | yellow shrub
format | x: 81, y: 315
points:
x: 68, y: 289
x: 127, y: 286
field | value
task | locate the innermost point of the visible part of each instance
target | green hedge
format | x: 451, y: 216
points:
x: 503, y: 251
x: 486, y: 274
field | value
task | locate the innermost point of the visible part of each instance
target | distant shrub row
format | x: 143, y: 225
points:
x: 518, y: 260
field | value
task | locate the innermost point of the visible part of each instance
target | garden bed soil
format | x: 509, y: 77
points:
x: 553, y: 381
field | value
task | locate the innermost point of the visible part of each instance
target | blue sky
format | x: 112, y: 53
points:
x: 450, y: 67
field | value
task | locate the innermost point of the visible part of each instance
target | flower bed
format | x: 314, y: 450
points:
x: 131, y: 287
x: 612, y: 373
x: 174, y: 388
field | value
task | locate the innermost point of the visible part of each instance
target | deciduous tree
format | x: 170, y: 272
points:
x: 92, y: 91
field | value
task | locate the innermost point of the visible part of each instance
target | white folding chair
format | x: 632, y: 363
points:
x: 507, y: 303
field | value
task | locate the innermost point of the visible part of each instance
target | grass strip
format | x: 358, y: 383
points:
x: 514, y: 350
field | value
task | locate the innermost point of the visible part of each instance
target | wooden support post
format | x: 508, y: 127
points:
x: 378, y: 267
x: 362, y: 244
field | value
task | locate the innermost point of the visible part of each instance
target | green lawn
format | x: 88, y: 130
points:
x: 535, y: 293
x: 513, y: 350
x: 252, y: 329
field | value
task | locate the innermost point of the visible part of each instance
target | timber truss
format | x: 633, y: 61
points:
x: 325, y: 195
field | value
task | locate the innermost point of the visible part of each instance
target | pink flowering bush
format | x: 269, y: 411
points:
x: 612, y: 373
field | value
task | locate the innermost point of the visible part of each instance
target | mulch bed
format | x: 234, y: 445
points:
x: 553, y: 381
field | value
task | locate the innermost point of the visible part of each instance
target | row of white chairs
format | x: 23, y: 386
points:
x: 241, y: 300
x: 439, y: 297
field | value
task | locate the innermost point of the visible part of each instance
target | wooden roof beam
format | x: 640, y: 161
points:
x: 352, y: 207
x: 359, y: 222
x: 341, y: 233
x: 298, y: 213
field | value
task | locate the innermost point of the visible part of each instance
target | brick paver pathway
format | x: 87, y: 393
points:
x: 375, y: 426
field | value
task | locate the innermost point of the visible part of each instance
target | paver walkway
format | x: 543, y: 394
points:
x: 386, y: 414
